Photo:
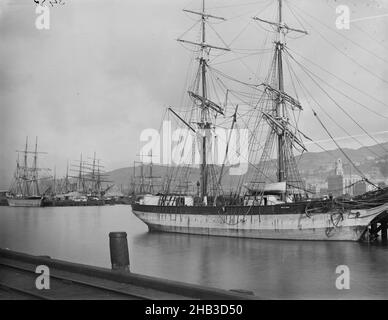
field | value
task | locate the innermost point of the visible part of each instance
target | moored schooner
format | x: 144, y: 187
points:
x: 273, y: 203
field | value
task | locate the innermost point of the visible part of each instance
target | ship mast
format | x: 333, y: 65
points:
x: 278, y: 119
x: 19, y: 186
x: 205, y: 104
x: 80, y: 182
x: 25, y: 171
x: 95, y: 184
x: 204, y: 124
x: 55, y: 181
x: 67, y: 178
x: 280, y: 112
x: 35, y: 168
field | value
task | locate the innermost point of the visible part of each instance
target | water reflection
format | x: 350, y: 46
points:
x: 273, y: 269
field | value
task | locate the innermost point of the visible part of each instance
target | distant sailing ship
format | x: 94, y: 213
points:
x: 269, y: 206
x: 24, y: 191
x: 83, y: 186
x: 140, y: 183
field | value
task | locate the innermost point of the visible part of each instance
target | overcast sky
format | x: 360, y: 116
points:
x: 106, y: 70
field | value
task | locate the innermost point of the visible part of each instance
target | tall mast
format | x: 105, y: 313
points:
x: 134, y: 178
x: 55, y: 181
x: 142, y: 177
x: 98, y: 187
x: 280, y: 105
x: 204, y: 121
x: 67, y: 178
x: 35, y: 169
x: 204, y: 124
x: 278, y: 119
x: 19, y: 185
x: 25, y: 173
x: 80, y: 175
x: 151, y: 187
x: 95, y: 185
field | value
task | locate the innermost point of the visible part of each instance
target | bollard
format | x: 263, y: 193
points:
x: 119, y: 255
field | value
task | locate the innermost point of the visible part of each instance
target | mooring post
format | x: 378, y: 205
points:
x: 372, y: 234
x: 119, y: 255
x: 373, y: 228
x: 384, y: 230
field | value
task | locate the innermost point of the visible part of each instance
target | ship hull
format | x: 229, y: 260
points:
x: 331, y: 225
x: 24, y: 202
x: 72, y: 203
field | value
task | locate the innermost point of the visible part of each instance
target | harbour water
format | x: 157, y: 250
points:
x: 272, y: 269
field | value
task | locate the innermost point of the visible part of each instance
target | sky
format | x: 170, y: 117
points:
x: 106, y: 70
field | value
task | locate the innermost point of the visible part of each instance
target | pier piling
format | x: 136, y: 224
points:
x: 119, y: 255
x: 373, y: 232
x: 384, y: 230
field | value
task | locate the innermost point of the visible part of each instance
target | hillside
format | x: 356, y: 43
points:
x: 314, y: 168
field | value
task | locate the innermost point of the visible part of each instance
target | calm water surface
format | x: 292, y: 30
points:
x: 270, y: 268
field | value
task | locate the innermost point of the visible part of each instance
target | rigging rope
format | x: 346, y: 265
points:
x: 308, y: 73
x: 343, y: 152
x: 349, y: 57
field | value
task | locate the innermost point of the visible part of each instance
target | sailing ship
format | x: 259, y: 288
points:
x: 268, y: 206
x: 82, y: 186
x: 141, y: 184
x: 24, y: 191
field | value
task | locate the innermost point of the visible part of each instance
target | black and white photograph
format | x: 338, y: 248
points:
x: 213, y: 152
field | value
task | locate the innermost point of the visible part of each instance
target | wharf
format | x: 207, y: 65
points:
x: 83, y: 282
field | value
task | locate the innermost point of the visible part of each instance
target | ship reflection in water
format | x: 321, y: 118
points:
x: 274, y: 269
